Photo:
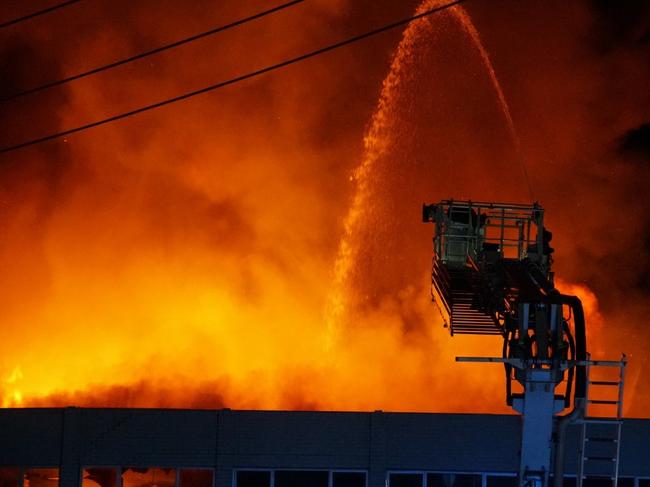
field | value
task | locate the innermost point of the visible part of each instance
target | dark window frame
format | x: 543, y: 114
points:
x: 119, y: 470
x: 330, y: 473
x: 483, y: 474
x: 23, y: 468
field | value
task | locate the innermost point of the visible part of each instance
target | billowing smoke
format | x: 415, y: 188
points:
x: 186, y: 257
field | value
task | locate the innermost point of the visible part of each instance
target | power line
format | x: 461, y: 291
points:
x: 151, y: 52
x: 232, y: 81
x: 37, y: 13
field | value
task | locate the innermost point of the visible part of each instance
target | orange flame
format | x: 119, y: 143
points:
x: 210, y: 256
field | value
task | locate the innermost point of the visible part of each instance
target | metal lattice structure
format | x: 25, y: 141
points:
x: 487, y: 258
x: 491, y: 275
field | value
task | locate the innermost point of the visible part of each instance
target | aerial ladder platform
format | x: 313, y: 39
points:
x: 492, y: 275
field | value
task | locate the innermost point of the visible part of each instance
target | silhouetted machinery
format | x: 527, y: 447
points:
x: 492, y: 276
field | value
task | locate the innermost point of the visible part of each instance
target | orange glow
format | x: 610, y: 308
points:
x: 218, y: 253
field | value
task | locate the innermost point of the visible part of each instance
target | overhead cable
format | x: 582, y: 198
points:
x: 37, y: 13
x: 150, y: 52
x: 232, y: 81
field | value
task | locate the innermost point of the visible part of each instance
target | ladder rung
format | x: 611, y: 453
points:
x: 599, y: 477
x: 470, y: 315
x: 457, y: 327
x: 602, y: 421
x: 478, y: 326
x: 476, y: 332
x: 609, y: 439
x: 473, y: 323
x: 470, y: 319
x: 476, y: 317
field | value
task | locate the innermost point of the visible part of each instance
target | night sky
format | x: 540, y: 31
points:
x: 186, y: 256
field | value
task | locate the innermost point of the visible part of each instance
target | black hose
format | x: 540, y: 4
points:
x: 580, y: 340
x: 508, y: 367
x: 572, y: 356
x: 580, y: 354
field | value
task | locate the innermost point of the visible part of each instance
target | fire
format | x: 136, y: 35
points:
x: 212, y: 254
x: 589, y: 303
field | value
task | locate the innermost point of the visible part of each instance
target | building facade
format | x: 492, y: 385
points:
x: 75, y: 447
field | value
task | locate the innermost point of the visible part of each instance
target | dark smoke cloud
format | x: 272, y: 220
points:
x: 634, y: 149
x: 32, y: 184
x: 621, y: 23
x: 636, y: 143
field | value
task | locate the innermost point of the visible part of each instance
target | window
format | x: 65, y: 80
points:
x: 29, y: 477
x: 349, y: 479
x: 501, y: 481
x: 405, y: 480
x: 301, y: 478
x: 99, y: 477
x: 644, y: 482
x: 597, y: 482
x: 148, y: 477
x: 41, y: 477
x: 196, y: 478
x: 569, y: 482
x: 453, y: 480
x: 9, y: 476
x: 253, y: 478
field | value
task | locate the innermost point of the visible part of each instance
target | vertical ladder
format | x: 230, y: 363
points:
x: 600, y: 437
